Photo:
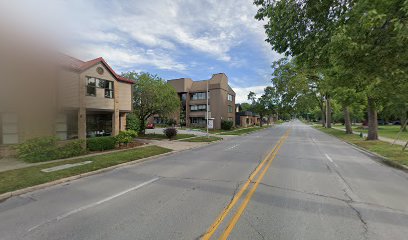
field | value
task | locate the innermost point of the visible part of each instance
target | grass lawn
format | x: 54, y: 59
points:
x: 392, y: 152
x: 388, y: 131
x: 162, y: 136
x: 202, y: 139
x: 242, y: 131
x: 31, y: 176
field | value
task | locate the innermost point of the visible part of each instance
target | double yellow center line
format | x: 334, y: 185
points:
x: 264, y: 166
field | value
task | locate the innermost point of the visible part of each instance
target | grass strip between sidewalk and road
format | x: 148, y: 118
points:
x: 30, y: 176
x: 202, y: 139
x: 158, y: 136
x: 242, y: 131
x: 392, y: 152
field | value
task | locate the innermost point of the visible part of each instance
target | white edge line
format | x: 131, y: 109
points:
x: 60, y: 217
x: 331, y: 160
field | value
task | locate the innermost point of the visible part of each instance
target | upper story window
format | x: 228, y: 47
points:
x: 230, y: 109
x: 230, y: 97
x: 201, y: 107
x: 198, y: 96
x: 93, y: 83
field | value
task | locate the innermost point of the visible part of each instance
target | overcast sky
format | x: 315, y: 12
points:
x: 172, y: 38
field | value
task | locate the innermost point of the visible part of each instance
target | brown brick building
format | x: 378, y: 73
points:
x: 193, y: 99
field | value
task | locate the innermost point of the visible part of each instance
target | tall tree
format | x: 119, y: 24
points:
x: 151, y: 96
x: 303, y: 29
x: 371, y: 45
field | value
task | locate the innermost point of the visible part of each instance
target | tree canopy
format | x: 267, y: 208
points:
x: 339, y: 51
x: 151, y: 96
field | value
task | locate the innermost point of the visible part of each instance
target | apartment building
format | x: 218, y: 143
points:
x: 62, y: 96
x: 193, y: 97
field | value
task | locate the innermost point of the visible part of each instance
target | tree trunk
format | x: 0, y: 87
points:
x: 347, y: 121
x: 323, y: 116
x: 403, y: 121
x: 372, y: 120
x: 142, y: 127
x: 260, y: 122
x: 328, y: 113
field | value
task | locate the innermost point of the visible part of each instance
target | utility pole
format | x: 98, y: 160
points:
x: 206, y: 95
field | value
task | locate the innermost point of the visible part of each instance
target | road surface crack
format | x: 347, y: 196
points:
x: 304, y: 192
x: 254, y: 228
x: 238, y: 184
x: 348, y: 201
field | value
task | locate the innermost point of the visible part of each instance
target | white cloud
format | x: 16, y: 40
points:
x: 126, y: 57
x: 158, y: 33
x: 241, y: 94
x: 210, y: 27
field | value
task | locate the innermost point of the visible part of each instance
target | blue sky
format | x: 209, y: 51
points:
x: 172, y: 38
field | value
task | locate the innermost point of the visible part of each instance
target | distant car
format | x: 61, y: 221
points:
x: 396, y: 123
x: 150, y: 126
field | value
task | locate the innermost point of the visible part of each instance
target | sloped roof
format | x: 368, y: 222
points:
x: 80, y: 66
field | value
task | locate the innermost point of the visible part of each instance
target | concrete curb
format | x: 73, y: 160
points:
x: 222, y: 133
x: 7, y: 195
x: 379, y: 158
x: 376, y: 157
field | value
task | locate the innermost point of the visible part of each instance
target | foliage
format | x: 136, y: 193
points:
x: 125, y: 137
x: 48, y: 148
x: 30, y: 176
x: 101, y: 143
x: 227, y: 125
x: 171, y: 122
x: 245, y: 106
x: 151, y: 96
x: 170, y: 132
x: 132, y: 122
x: 265, y: 105
x: 344, y: 50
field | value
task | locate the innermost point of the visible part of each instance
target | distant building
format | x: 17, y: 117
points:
x: 193, y: 98
x: 247, y: 119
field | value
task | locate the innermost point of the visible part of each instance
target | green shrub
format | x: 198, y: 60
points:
x: 71, y: 149
x: 171, y: 122
x: 170, y: 132
x: 47, y: 148
x: 226, y: 125
x: 101, y: 143
x: 126, y: 137
x: 132, y: 122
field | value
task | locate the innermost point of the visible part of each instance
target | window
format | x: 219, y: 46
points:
x: 230, y: 109
x: 66, y: 125
x: 198, y: 96
x: 230, y: 97
x: 8, y: 128
x: 98, y: 125
x: 230, y: 119
x: 201, y: 107
x: 198, y: 121
x: 91, y: 87
x: 93, y: 83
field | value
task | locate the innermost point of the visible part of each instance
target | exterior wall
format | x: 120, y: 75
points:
x: 99, y: 101
x: 218, y: 92
x: 125, y: 96
x: 68, y: 89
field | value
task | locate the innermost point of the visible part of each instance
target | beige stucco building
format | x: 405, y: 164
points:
x: 74, y: 99
x: 193, y: 100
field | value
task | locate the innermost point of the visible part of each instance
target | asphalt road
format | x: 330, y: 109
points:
x: 312, y: 186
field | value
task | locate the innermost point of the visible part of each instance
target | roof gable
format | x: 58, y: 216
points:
x: 80, y: 66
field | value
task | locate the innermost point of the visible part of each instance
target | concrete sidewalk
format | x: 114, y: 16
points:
x: 384, y: 139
